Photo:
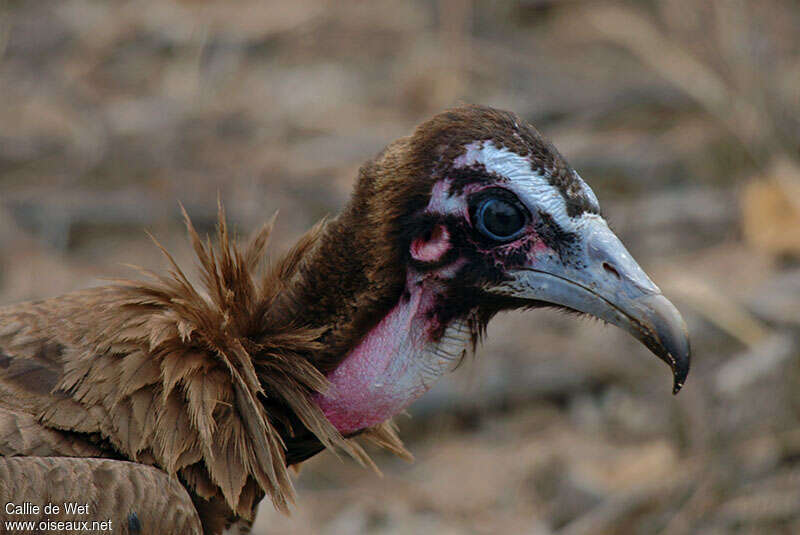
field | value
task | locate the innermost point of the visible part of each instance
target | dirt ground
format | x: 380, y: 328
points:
x: 684, y: 117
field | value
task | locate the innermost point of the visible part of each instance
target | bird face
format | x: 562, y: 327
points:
x: 488, y: 217
x: 524, y: 233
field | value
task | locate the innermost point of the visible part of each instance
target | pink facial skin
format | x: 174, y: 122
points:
x: 406, y: 352
x: 379, y: 378
x: 433, y: 249
x: 397, y: 361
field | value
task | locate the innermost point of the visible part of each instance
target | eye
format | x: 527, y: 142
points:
x: 500, y: 219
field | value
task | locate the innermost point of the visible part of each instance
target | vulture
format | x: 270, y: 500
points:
x: 172, y: 406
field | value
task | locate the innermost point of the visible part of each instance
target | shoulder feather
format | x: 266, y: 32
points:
x: 203, y: 381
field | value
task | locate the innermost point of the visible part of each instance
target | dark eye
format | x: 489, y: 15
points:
x: 500, y: 220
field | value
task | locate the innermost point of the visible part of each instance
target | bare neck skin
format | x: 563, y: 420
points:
x: 393, y: 344
x: 398, y: 361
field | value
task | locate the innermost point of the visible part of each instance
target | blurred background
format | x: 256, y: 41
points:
x: 684, y: 116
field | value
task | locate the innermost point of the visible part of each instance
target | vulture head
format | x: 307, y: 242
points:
x: 473, y: 214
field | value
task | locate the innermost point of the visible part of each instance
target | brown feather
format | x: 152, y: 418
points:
x: 157, y: 372
x: 126, y: 494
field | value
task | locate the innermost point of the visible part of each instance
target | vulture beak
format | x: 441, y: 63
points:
x: 596, y: 275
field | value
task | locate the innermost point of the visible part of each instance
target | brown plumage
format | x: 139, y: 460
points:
x: 102, y: 493
x: 204, y: 383
x: 222, y: 387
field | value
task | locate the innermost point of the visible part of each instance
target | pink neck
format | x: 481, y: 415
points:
x: 393, y: 365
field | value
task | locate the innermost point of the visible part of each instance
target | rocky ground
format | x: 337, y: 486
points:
x: 683, y: 116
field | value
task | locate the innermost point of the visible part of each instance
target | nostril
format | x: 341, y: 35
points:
x: 611, y: 269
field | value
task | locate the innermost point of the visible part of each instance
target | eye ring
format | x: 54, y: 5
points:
x: 500, y: 219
